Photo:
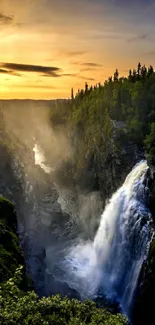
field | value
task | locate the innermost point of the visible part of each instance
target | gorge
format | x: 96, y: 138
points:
x: 77, y: 162
x: 73, y: 242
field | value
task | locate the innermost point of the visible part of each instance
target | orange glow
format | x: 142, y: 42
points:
x: 86, y: 40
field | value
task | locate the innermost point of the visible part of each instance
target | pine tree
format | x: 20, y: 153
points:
x: 134, y: 75
x: 139, y: 70
x: 72, y: 93
x: 150, y: 70
x: 130, y: 75
x: 116, y: 75
x: 86, y: 87
x: 143, y: 71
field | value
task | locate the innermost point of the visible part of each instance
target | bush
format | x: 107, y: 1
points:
x: 18, y: 307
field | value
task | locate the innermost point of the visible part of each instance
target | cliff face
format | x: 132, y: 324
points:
x: 143, y: 309
x: 10, y: 253
x: 40, y: 213
x: 40, y: 217
x: 107, y: 166
x: 114, y: 168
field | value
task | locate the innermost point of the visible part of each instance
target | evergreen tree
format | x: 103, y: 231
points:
x: 116, y: 75
x: 143, y: 72
x: 86, y: 87
x: 139, y: 70
x: 72, y: 93
x: 134, y: 75
x: 130, y: 75
x: 150, y: 70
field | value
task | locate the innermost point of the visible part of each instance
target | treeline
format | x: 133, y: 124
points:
x: 129, y: 99
x: 122, y: 105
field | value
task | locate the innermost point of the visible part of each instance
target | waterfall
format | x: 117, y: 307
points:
x: 40, y: 158
x: 69, y: 258
x: 111, y: 263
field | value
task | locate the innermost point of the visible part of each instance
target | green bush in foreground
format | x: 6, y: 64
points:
x: 19, y: 307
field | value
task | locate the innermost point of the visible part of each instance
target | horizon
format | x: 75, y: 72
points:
x: 48, y: 47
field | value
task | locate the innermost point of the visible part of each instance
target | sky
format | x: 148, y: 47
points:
x: 49, y: 46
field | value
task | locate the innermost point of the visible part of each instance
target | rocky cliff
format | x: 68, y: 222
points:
x: 10, y: 252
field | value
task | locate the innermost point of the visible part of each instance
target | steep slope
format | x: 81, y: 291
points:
x: 10, y: 253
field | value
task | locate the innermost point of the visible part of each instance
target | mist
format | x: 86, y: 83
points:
x: 52, y: 215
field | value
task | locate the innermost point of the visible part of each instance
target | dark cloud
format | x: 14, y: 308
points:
x: 13, y: 68
x: 69, y: 75
x: 75, y: 53
x: 86, y: 78
x: 4, y: 71
x: 88, y: 69
x: 10, y: 72
x: 91, y: 64
x: 55, y: 75
x: 88, y: 65
x: 137, y: 38
x: 44, y: 70
x: 4, y: 19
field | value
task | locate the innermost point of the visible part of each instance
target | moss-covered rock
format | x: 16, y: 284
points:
x: 10, y: 253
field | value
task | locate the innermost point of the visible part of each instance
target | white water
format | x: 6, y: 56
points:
x: 40, y: 159
x: 112, y: 262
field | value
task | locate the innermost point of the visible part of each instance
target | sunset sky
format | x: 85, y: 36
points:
x: 49, y: 46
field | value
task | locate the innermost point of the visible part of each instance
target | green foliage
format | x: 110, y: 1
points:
x: 18, y: 307
x: 150, y: 144
x: 7, y: 213
x: 90, y: 113
x: 10, y: 254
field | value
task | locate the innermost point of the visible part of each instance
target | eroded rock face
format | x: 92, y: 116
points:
x: 143, y: 308
x: 116, y: 166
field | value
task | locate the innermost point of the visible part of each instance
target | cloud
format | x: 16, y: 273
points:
x: 44, y: 70
x: 137, y: 38
x: 4, y: 71
x: 88, y: 69
x: 4, y: 19
x: 77, y: 76
x: 69, y: 75
x: 72, y: 53
x: 76, y: 53
x: 10, y: 72
x: 91, y: 64
x: 86, y: 78
x: 88, y: 66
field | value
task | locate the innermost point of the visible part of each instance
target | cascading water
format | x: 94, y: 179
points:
x: 57, y: 225
x: 111, y: 263
x: 40, y: 159
x: 65, y: 259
